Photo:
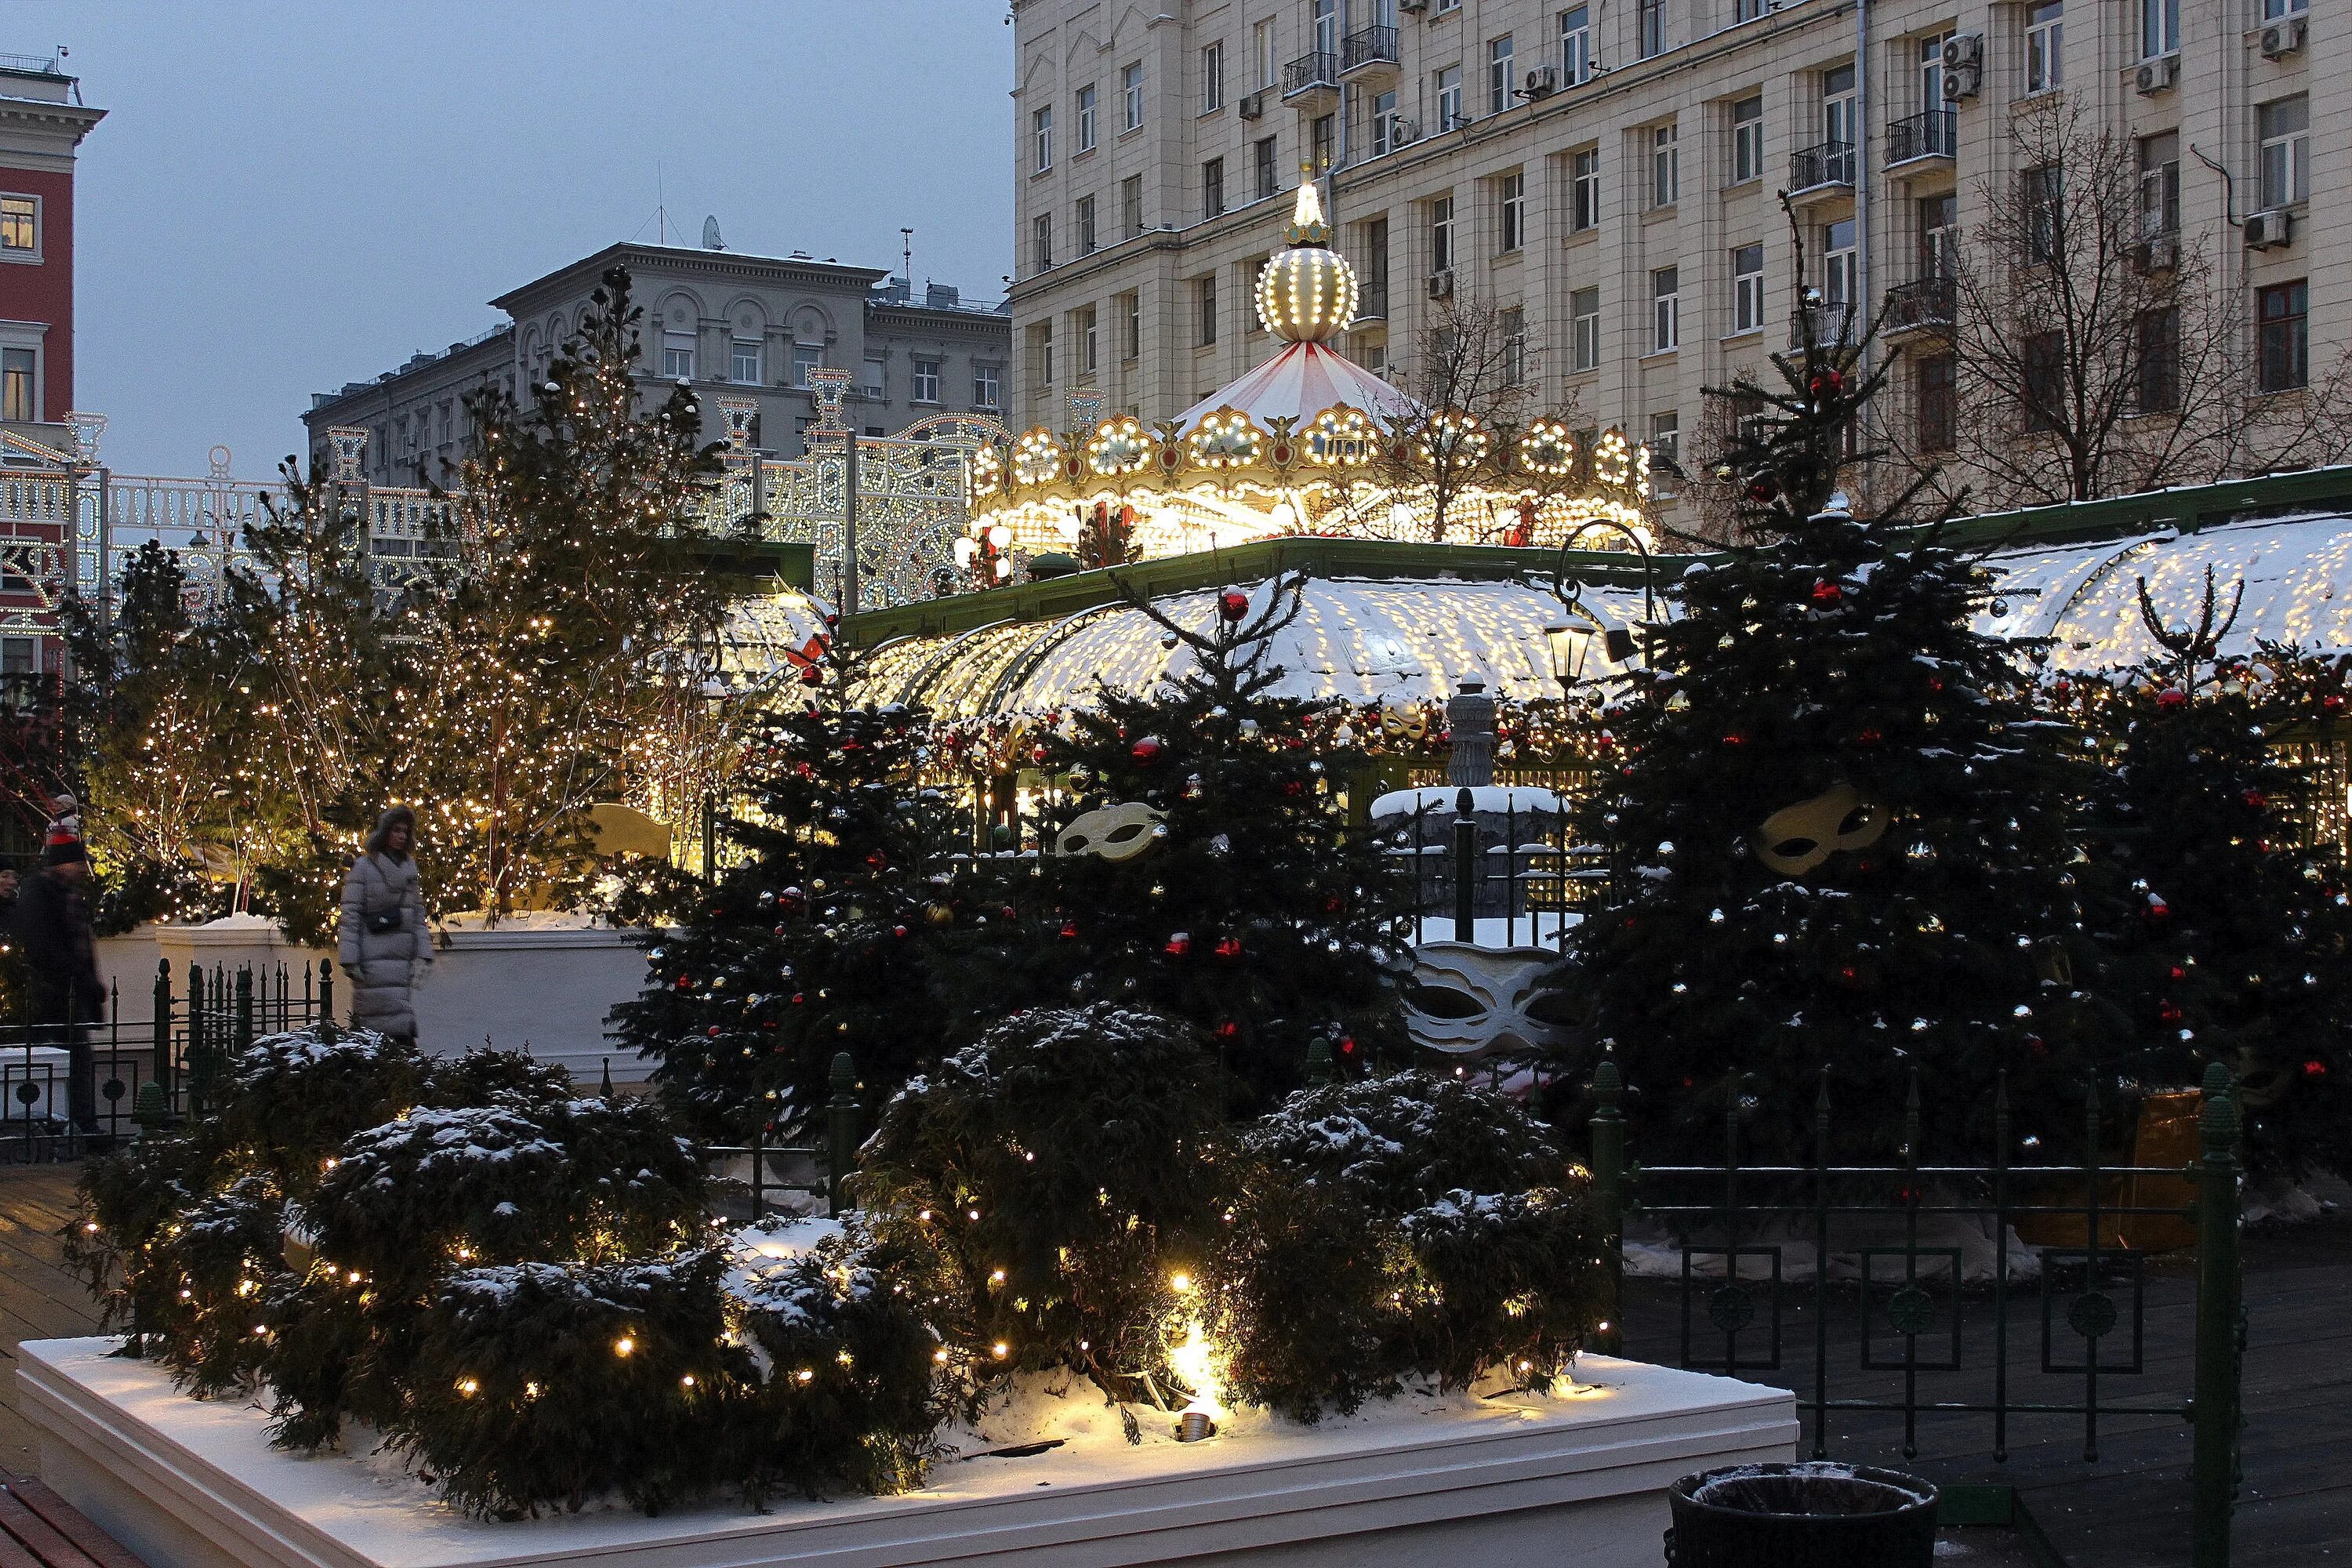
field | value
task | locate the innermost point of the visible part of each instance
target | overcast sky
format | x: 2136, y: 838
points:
x: 285, y: 197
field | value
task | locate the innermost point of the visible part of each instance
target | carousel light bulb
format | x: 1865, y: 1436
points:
x: 998, y: 535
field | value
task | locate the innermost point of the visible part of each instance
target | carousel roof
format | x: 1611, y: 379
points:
x: 1297, y: 385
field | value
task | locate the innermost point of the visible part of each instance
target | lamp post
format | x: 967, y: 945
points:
x: 1572, y: 645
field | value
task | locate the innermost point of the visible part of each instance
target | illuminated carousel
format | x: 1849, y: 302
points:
x: 1308, y: 443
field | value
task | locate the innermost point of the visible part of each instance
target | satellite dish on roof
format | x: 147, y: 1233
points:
x: 711, y: 240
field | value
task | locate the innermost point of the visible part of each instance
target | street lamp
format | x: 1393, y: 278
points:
x: 1572, y: 645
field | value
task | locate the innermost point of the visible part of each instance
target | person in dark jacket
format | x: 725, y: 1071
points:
x: 64, y: 994
x: 383, y: 943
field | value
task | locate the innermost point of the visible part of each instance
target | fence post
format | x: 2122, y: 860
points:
x: 326, y: 1014
x: 244, y: 1008
x: 163, y: 1027
x: 1320, y: 1068
x: 192, y: 1054
x: 1609, y: 1189
x: 841, y: 1132
x: 1465, y: 858
x: 2213, y: 1462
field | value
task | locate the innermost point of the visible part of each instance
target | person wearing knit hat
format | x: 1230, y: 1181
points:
x: 64, y: 993
x: 383, y: 943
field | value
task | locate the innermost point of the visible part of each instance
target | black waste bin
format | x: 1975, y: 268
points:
x: 1817, y: 1515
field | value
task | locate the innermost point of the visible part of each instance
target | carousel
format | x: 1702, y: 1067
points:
x: 1308, y: 443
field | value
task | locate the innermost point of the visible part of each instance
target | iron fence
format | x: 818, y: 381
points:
x: 819, y: 1169
x: 145, y: 1072
x: 1732, y: 1225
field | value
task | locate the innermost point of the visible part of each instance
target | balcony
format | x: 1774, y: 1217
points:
x: 1925, y: 305
x: 1370, y: 56
x: 1934, y: 134
x: 1311, y: 82
x: 1819, y: 173
x: 1828, y: 322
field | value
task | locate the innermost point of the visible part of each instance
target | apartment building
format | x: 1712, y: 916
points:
x: 1611, y: 173
x: 42, y: 122
x: 746, y: 330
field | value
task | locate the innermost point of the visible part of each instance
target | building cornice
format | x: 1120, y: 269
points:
x: 830, y: 275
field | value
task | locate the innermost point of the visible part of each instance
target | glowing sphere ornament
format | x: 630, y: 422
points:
x: 1307, y: 293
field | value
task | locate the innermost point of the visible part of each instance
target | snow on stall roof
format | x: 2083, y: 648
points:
x: 1497, y: 798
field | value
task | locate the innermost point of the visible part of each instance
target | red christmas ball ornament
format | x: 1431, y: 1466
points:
x: 1233, y: 604
x: 1036, y: 754
x: 1228, y: 1029
x: 2256, y: 799
x: 1334, y: 904
x: 1828, y: 383
x: 1870, y: 736
x: 2314, y: 1068
x: 713, y: 1031
x: 897, y: 930
x: 1346, y: 1044
x: 2178, y: 972
x: 1762, y: 490
x: 1069, y: 928
x: 1735, y: 738
x: 2331, y: 702
x: 811, y: 675
x: 2171, y: 697
x: 2062, y: 690
x: 1146, y: 751
x: 1294, y: 786
x: 797, y: 998
x: 2157, y: 909
x: 2169, y: 1012
x: 1827, y: 592
x: 1178, y: 945
x: 1007, y: 911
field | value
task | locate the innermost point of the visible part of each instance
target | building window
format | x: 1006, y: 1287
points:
x: 985, y: 385
x: 1747, y: 141
x: 1041, y: 357
x: 678, y: 356
x: 1385, y: 138
x: 2045, y: 196
x: 1584, y: 328
x: 1085, y: 215
x: 2044, y: 391
x: 2282, y: 321
x: 876, y: 385
x: 2286, y: 128
x: 1665, y: 310
x: 1513, y: 189
x: 2045, y: 42
x: 2157, y: 362
x: 1131, y: 337
x: 1498, y: 74
x: 1041, y: 129
x: 1838, y: 124
x: 1087, y: 118
x: 1576, y: 46
x: 1264, y: 165
x: 1041, y: 237
x: 1376, y: 269
x: 1665, y: 165
x: 925, y: 388
x: 806, y: 357
x: 1748, y: 288
x: 1841, y: 267
x: 1205, y: 298
x: 1513, y: 324
x: 2274, y: 9
x: 1212, y: 187
x: 1441, y: 234
x: 1261, y: 52
x: 20, y: 225
x: 19, y: 377
x: 1936, y: 388
x: 2159, y: 185
x: 1666, y: 451
x: 1931, y: 72
x: 1747, y: 10
x: 1584, y: 190
x: 743, y: 368
x: 1651, y: 20
x: 1939, y: 235
x: 1090, y: 345
x: 1212, y: 78
x: 2159, y: 27
x: 1324, y: 137
x: 1130, y: 96
x: 1130, y: 204
x: 1448, y: 94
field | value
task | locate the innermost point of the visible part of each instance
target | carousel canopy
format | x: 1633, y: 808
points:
x: 1296, y: 385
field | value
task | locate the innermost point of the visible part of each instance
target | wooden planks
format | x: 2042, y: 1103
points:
x: 38, y: 1300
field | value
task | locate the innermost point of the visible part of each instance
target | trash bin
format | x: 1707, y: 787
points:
x: 1817, y: 1515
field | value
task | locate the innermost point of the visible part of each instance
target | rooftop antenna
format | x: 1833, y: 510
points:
x: 907, y: 257
x: 661, y: 208
x: 711, y: 240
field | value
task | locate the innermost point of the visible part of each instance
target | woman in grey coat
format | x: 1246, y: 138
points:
x: 384, y: 939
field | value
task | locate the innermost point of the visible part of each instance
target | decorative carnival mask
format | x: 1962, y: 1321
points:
x: 1116, y: 832
x: 1797, y: 839
x: 1469, y: 1001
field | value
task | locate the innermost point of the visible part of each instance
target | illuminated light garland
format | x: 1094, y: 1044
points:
x: 1121, y: 447
x: 1225, y: 439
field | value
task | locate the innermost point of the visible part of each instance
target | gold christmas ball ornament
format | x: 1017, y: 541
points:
x: 938, y: 914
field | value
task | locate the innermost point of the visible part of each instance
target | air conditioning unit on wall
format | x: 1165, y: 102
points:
x: 2269, y: 230
x: 2281, y: 39
x: 1440, y: 285
x: 1543, y: 81
x: 1254, y: 106
x: 2155, y: 75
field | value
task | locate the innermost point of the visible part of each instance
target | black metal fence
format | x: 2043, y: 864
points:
x: 146, y: 1067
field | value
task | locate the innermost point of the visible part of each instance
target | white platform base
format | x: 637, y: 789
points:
x: 1578, y: 1479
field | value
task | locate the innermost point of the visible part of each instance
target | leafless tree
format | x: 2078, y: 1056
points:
x: 2093, y: 348
x: 1470, y: 357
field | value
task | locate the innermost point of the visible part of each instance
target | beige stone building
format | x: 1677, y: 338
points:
x: 1610, y: 172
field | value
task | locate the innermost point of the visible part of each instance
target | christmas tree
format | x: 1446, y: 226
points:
x: 2227, y: 928
x: 1838, y: 830
x: 1200, y: 864
x: 827, y: 928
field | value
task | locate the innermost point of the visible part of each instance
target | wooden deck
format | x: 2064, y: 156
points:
x: 2129, y: 1509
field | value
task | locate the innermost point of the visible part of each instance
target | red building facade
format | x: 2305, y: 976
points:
x: 42, y: 122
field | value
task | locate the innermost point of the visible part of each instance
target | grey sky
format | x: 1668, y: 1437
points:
x: 285, y: 197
